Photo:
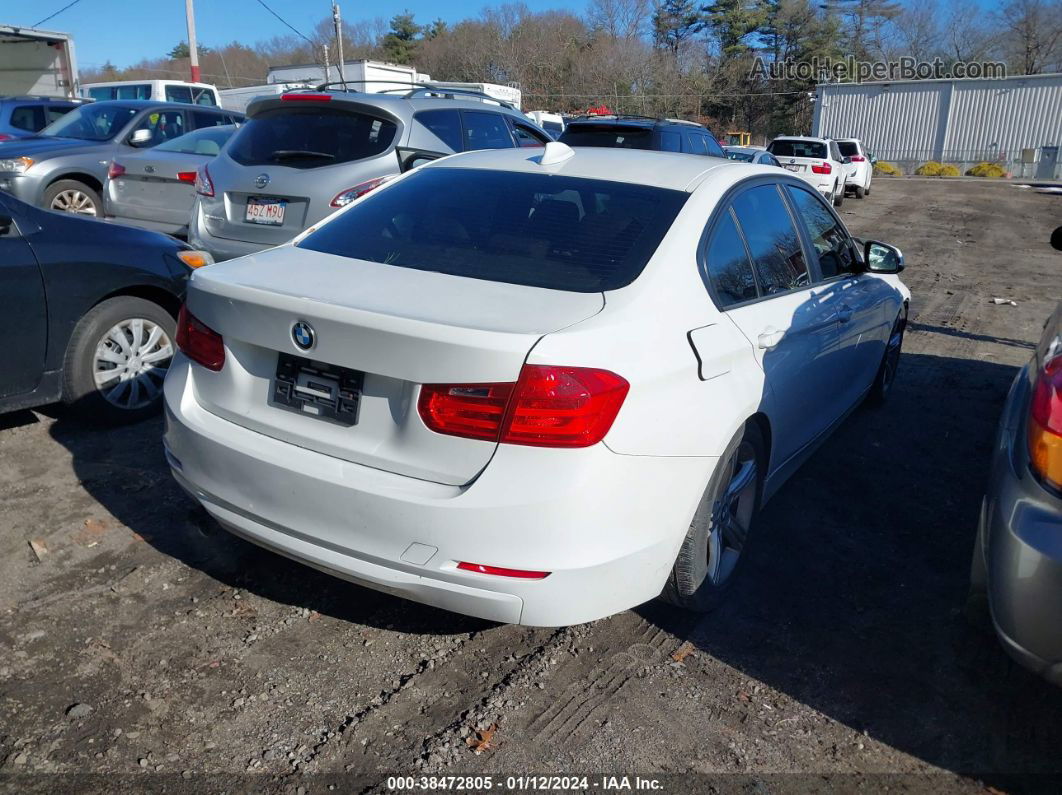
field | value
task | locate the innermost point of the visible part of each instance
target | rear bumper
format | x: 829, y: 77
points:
x: 1021, y: 535
x: 606, y: 526
x: 220, y: 248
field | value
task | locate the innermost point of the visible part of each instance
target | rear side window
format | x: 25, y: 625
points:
x: 608, y: 135
x: 694, y: 144
x: 728, y: 266
x: 525, y: 136
x: 310, y: 138
x: 28, y: 117
x: 562, y: 233
x: 777, y: 253
x: 444, y: 124
x: 201, y: 120
x: 670, y: 141
x: 829, y: 238
x: 486, y: 131
x: 798, y: 149
x: 139, y: 91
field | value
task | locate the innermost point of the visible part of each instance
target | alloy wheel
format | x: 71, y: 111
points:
x: 130, y: 363
x: 732, y: 514
x: 892, y: 355
x: 73, y: 201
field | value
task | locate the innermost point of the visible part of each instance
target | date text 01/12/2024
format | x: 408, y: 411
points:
x: 530, y: 783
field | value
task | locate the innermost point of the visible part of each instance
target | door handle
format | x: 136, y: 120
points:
x: 845, y: 314
x: 770, y: 337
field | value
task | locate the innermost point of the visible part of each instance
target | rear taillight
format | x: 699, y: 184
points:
x: 204, y: 186
x: 548, y: 406
x: 343, y: 198
x: 199, y: 342
x: 116, y: 170
x: 1045, y: 424
x: 306, y: 97
x: 857, y: 158
x: 191, y: 177
x: 499, y: 571
x: 821, y: 168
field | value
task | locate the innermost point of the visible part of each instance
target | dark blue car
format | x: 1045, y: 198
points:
x: 89, y: 311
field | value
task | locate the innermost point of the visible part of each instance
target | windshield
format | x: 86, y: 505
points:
x: 797, y: 149
x: 207, y: 141
x: 742, y: 157
x: 540, y: 230
x: 310, y: 137
x: 91, y: 122
x: 608, y: 135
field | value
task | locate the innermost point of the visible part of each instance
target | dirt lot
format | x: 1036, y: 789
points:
x: 133, y: 642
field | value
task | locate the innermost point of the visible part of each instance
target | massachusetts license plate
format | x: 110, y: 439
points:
x: 793, y: 168
x: 265, y: 211
x: 318, y: 389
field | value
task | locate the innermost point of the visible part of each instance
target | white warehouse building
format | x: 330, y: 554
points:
x: 1014, y: 121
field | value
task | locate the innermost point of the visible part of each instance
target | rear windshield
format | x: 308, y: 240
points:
x: 741, y: 157
x: 310, y: 137
x: 540, y: 230
x: 609, y: 135
x: 797, y: 149
x: 848, y: 148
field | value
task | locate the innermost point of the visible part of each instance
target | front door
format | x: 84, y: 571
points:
x: 23, y: 323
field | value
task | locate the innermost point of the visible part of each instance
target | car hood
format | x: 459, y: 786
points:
x: 39, y: 147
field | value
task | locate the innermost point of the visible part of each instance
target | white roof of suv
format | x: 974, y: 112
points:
x: 667, y: 170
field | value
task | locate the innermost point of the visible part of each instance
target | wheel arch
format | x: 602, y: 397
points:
x: 77, y: 176
x: 149, y: 292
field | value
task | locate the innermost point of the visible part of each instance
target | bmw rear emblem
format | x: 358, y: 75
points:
x: 303, y: 335
x: 261, y: 180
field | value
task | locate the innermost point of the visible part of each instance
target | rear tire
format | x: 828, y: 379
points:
x: 838, y: 197
x: 116, y: 360
x: 890, y: 362
x: 858, y: 191
x: 716, y: 544
x: 71, y: 196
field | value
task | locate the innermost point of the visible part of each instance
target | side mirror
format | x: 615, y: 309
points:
x: 141, y: 137
x: 882, y: 258
x: 1056, y: 239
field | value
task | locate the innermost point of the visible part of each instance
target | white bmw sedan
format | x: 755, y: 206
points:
x: 539, y: 386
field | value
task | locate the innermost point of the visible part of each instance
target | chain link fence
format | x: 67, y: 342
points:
x: 1020, y: 164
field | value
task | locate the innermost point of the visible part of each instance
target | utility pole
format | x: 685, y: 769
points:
x: 193, y: 50
x: 339, y: 41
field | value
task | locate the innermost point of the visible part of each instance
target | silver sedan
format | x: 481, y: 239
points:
x: 155, y: 189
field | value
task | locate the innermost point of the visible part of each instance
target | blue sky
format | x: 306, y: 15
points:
x: 125, y: 31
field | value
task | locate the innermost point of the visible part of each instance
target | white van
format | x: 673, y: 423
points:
x: 553, y: 123
x: 160, y: 90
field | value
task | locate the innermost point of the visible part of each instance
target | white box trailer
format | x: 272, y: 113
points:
x: 38, y: 63
x: 362, y: 75
x: 238, y: 99
x: 510, y: 94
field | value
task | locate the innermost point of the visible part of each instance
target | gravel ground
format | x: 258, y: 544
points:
x: 137, y: 639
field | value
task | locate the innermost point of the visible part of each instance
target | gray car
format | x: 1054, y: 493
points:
x: 155, y: 189
x: 751, y: 154
x: 302, y: 155
x: 1017, y: 561
x: 65, y: 165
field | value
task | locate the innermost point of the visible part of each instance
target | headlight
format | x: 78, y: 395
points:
x: 17, y: 164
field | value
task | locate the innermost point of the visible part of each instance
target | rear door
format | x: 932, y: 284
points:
x: 23, y: 321
x: 759, y: 276
x: 282, y: 169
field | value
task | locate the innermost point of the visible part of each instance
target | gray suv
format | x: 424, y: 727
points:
x: 65, y: 166
x: 302, y: 155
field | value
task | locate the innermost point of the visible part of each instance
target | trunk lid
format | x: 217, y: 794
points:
x: 150, y: 189
x: 400, y: 327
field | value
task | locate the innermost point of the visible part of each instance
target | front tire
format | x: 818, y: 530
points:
x: 890, y: 362
x: 715, y: 545
x: 71, y: 196
x: 117, y: 358
x: 838, y: 196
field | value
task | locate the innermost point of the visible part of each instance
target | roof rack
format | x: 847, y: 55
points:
x: 410, y: 90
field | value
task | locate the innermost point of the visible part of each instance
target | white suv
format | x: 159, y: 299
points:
x: 860, y: 165
x: 462, y: 388
x: 817, y: 160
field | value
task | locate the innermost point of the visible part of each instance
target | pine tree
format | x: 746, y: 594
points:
x: 400, y: 43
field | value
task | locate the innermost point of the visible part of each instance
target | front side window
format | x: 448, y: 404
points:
x: 444, y: 125
x: 694, y: 144
x: 831, y: 241
x: 91, y: 122
x: 540, y: 230
x: 204, y: 96
x: 728, y: 266
x: 179, y: 94
x: 310, y: 138
x: 777, y: 253
x: 486, y: 131
x: 163, y: 125
x: 715, y: 149
x: 525, y: 136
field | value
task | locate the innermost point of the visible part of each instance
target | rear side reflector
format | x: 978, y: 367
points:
x: 498, y: 571
x: 199, y: 342
x: 548, y: 406
x: 1045, y: 424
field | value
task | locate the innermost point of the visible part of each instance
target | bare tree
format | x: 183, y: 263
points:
x: 621, y: 19
x: 1032, y: 34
